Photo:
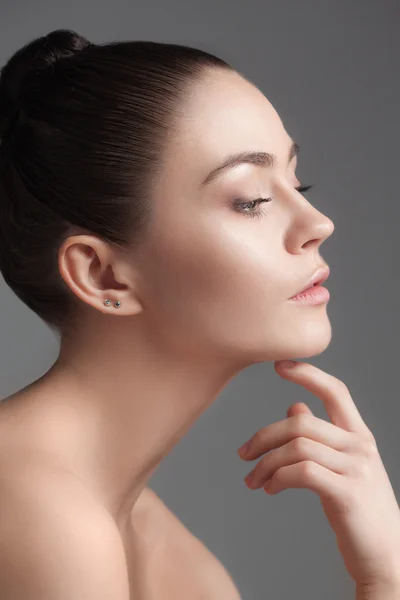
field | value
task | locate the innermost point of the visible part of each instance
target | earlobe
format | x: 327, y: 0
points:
x: 131, y: 306
x: 117, y: 304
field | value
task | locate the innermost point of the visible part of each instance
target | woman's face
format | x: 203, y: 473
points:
x: 215, y: 281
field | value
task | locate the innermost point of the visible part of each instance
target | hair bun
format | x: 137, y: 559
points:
x: 38, y: 54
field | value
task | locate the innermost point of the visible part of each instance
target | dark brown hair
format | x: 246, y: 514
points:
x: 83, y: 131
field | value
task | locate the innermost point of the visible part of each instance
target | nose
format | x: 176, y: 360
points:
x: 309, y: 227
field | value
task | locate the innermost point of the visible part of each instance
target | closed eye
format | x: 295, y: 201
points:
x: 240, y: 206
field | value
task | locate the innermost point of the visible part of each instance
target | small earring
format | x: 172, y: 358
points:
x: 117, y: 304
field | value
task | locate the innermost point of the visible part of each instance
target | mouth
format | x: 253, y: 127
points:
x: 319, y: 277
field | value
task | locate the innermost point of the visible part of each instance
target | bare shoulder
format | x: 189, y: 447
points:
x: 179, y: 545
x: 54, y: 544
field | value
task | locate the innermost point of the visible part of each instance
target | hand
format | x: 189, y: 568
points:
x: 338, y: 460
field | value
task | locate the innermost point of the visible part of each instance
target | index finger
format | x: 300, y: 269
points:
x: 335, y: 395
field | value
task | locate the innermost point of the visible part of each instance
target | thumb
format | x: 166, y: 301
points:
x: 298, y: 408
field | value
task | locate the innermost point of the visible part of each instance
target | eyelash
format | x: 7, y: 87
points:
x: 258, y: 213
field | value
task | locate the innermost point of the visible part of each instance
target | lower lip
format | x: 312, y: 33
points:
x: 314, y: 295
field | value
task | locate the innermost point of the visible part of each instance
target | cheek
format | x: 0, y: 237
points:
x: 214, y: 289
x: 214, y: 281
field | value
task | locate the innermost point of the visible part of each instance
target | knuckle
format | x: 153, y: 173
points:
x: 340, y: 386
x: 300, y: 445
x: 370, y: 436
x: 363, y: 444
x: 369, y: 447
x: 308, y: 470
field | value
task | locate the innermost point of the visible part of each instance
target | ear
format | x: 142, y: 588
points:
x: 297, y: 409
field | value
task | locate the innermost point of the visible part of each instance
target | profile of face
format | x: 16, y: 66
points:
x: 216, y: 277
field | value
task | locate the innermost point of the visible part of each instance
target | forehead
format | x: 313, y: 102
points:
x: 223, y: 114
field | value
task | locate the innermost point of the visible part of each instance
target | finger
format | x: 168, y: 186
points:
x: 309, y: 475
x: 298, y: 450
x: 304, y: 425
x: 297, y: 409
x: 335, y: 395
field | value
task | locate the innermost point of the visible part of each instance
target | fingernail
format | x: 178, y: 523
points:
x: 267, y: 484
x: 288, y: 364
x: 249, y: 478
x: 244, y: 449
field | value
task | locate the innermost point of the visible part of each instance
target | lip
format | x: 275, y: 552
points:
x: 320, y: 275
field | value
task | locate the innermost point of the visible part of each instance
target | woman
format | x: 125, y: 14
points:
x: 151, y: 214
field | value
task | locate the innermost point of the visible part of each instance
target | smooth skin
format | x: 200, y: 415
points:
x: 205, y: 296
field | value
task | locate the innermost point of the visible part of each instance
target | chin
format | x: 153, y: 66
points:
x: 308, y: 340
x: 297, y: 340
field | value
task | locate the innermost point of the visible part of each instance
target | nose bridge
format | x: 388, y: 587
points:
x: 308, y: 224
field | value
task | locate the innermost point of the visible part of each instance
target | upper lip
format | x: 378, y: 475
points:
x: 320, y: 275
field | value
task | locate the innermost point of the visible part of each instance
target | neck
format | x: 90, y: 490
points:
x: 128, y: 402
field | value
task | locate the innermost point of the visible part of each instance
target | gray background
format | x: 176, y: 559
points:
x: 332, y: 71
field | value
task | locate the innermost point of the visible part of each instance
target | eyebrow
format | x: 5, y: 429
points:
x: 263, y: 159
